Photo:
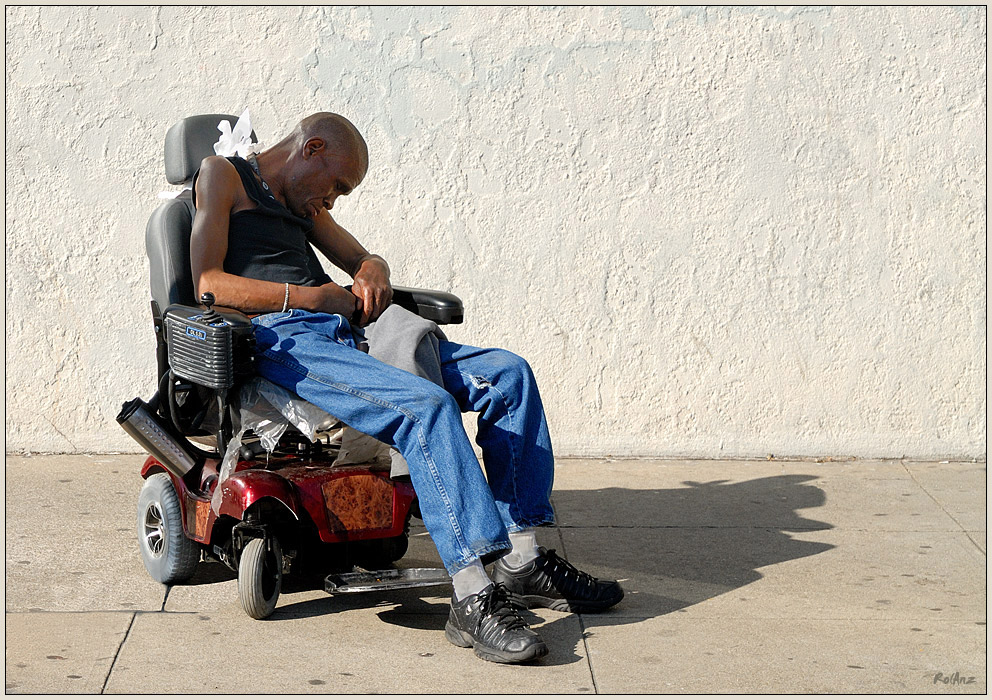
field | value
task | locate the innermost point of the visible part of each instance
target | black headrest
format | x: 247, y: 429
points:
x: 190, y: 141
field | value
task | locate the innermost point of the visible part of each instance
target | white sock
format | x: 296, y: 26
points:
x: 524, y: 548
x: 471, y: 580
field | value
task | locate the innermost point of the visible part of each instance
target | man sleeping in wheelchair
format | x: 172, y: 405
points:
x: 249, y: 248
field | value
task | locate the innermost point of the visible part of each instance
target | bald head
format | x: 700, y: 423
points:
x: 322, y: 158
x: 339, y: 134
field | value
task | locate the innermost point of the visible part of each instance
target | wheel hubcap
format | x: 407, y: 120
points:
x: 154, y: 530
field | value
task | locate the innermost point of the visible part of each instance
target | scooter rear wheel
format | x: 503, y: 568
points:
x: 169, y: 556
x: 380, y: 554
x: 260, y: 577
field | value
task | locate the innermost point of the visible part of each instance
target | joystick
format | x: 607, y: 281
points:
x: 210, y: 316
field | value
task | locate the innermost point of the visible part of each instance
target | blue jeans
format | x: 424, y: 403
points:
x: 316, y: 356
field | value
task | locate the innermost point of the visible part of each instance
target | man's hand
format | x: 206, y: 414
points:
x: 332, y: 298
x: 369, y: 272
x: 372, y: 288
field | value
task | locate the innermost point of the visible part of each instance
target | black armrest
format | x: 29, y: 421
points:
x: 440, y: 307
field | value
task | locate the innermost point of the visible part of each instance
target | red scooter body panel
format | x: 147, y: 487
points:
x: 247, y: 486
x: 198, y: 516
x: 151, y: 466
x: 348, y: 503
x: 353, y: 502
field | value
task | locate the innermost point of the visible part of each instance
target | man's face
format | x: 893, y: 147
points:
x: 324, y: 177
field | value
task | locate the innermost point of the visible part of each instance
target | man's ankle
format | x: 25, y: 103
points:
x: 524, y: 550
x: 470, y: 580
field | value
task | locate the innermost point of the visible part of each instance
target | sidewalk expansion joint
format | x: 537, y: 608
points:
x: 117, y: 653
x: 804, y: 618
x: 714, y: 527
x: 939, y: 504
x: 585, y: 645
x: 119, y: 611
x: 582, y: 627
x: 790, y: 528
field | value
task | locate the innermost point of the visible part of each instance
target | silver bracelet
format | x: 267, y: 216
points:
x: 285, y: 302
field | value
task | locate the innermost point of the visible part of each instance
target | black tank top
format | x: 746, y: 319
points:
x: 269, y: 242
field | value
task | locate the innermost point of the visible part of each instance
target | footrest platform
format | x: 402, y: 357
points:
x: 361, y: 581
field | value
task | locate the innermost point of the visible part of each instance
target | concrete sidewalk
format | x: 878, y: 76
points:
x: 741, y: 576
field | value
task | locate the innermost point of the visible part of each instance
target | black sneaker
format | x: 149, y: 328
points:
x: 551, y: 582
x: 488, y: 623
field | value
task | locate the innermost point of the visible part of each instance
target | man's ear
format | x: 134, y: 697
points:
x: 312, y: 146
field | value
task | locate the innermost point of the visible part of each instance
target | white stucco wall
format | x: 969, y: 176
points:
x: 713, y: 232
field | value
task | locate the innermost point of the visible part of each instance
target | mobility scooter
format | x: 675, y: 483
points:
x: 241, y: 471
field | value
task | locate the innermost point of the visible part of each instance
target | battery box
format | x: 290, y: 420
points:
x: 209, y: 348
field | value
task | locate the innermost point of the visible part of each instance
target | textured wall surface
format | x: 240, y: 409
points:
x: 713, y: 232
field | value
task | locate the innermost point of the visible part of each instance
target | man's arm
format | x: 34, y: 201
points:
x: 370, y: 272
x: 218, y: 194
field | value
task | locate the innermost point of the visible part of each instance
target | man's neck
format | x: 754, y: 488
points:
x: 271, y: 165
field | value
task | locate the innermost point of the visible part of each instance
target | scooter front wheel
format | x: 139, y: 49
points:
x: 260, y: 577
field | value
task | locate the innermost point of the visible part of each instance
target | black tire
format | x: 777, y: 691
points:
x: 380, y: 554
x: 260, y: 577
x: 395, y: 547
x: 170, y: 557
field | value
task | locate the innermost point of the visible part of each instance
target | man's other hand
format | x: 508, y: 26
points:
x: 371, y: 286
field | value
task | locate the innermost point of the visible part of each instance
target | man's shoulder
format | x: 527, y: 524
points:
x: 218, y: 177
x: 218, y: 167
